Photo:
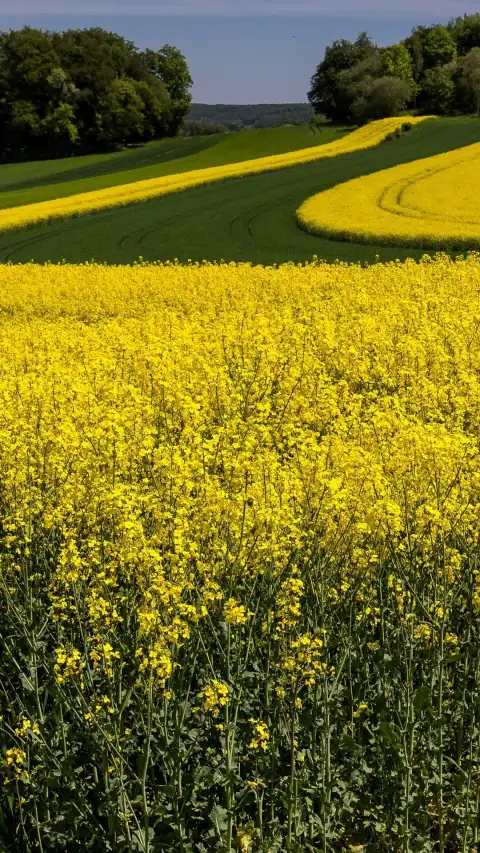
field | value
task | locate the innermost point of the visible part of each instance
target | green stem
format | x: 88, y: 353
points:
x: 144, y: 775
x: 229, y: 745
x: 327, y: 766
x: 441, y: 839
x: 292, y: 771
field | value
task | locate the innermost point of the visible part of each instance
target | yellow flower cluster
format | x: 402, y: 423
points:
x: 81, y: 203
x: 104, y: 655
x: 362, y: 709
x: 157, y: 662
x: 26, y: 728
x: 288, y: 603
x: 68, y: 664
x: 235, y: 613
x: 214, y: 696
x: 15, y: 760
x: 302, y: 663
x: 261, y: 735
x: 431, y: 203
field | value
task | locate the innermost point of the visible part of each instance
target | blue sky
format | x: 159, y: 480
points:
x: 240, y: 51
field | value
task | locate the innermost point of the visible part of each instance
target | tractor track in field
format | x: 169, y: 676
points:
x: 252, y: 219
x: 246, y: 218
x: 38, y: 238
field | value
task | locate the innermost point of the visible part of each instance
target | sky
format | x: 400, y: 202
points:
x: 240, y: 51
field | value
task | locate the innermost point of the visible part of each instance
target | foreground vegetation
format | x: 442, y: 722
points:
x: 252, y: 219
x: 430, y: 203
x: 239, y: 586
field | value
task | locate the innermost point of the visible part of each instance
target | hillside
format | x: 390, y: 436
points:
x: 252, y: 219
x: 25, y: 183
x: 236, y: 116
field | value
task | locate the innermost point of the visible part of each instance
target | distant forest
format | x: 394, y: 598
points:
x: 212, y: 118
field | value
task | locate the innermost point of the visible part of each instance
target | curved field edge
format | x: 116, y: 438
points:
x: 126, y: 194
x: 28, y: 183
x: 251, y: 220
x: 373, y: 209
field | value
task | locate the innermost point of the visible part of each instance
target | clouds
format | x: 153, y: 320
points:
x: 384, y: 8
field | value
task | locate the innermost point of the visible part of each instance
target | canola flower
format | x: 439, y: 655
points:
x: 240, y: 526
x: 431, y: 203
x: 260, y: 734
x: 138, y: 191
x: 214, y: 696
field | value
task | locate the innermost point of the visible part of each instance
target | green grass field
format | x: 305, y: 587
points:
x: 26, y: 183
x: 247, y: 219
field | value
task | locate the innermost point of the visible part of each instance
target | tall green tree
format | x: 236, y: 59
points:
x: 27, y: 60
x: 329, y: 94
x: 156, y: 106
x: 414, y: 44
x: 354, y: 86
x: 86, y: 90
x: 469, y: 79
x: 21, y: 128
x: 438, y: 90
x: 170, y: 66
x: 380, y: 98
x: 397, y: 62
x: 95, y: 58
x: 58, y: 131
x: 32, y: 85
x: 122, y: 113
x: 439, y: 47
x: 466, y: 32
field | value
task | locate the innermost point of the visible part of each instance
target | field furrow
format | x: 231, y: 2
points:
x: 210, y: 221
x: 432, y: 203
x: 139, y: 191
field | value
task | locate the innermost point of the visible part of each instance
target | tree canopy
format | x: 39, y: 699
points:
x: 87, y: 90
x: 435, y: 69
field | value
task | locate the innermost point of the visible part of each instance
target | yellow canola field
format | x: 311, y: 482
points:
x: 178, y: 391
x: 231, y: 496
x: 123, y: 194
x: 431, y: 203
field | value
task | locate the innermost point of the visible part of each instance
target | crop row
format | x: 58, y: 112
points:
x: 124, y: 194
x: 431, y: 203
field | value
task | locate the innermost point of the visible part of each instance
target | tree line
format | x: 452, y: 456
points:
x: 214, y: 118
x: 82, y: 91
x: 435, y: 70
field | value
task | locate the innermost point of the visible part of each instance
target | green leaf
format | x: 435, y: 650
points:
x: 138, y: 839
x: 388, y: 733
x: 219, y: 817
x: 347, y: 742
x: 422, y: 697
x: 26, y: 683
